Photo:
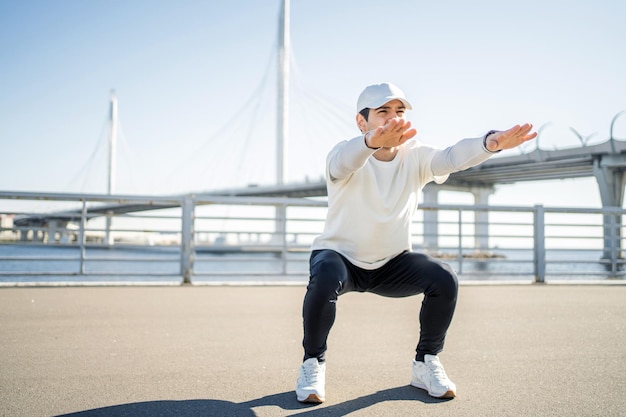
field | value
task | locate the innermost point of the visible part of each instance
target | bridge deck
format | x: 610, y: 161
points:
x: 534, y: 166
x: 525, y: 350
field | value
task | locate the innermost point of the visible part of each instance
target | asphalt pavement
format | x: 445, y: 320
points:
x: 512, y: 350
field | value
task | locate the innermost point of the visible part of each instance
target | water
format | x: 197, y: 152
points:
x: 50, y: 264
x: 43, y: 263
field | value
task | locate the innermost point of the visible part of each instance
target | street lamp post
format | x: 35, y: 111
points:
x: 613, y: 123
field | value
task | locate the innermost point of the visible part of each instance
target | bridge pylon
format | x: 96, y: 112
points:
x: 609, y: 171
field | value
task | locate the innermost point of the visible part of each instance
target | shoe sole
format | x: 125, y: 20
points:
x: 312, y: 398
x: 446, y: 395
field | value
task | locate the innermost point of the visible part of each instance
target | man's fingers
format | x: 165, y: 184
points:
x: 524, y: 132
x: 409, y: 134
x: 531, y: 136
x: 519, y: 131
x: 394, y: 130
x: 524, y: 129
x: 513, y: 131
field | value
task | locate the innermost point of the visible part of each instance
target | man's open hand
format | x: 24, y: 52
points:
x: 393, y: 133
x: 511, y: 138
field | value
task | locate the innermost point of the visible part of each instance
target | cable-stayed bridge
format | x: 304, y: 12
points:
x: 605, y: 161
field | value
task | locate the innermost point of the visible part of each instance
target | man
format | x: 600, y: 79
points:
x: 373, y: 183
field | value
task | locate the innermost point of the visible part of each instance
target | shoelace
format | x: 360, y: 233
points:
x: 311, y: 374
x: 437, y: 369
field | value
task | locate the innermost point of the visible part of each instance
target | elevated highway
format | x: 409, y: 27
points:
x: 605, y: 161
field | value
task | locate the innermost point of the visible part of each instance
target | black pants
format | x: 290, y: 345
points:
x: 407, y: 274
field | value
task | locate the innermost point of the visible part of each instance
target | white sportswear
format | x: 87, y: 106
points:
x: 371, y: 203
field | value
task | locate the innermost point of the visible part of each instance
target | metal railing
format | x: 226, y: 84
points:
x: 90, y: 238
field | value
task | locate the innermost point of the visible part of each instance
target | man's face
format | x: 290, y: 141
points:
x: 378, y: 117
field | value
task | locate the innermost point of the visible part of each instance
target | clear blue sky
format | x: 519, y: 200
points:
x: 195, y: 82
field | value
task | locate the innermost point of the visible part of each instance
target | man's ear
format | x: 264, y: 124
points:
x: 361, y: 123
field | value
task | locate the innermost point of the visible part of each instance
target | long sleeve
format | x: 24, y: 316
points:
x: 463, y: 155
x: 347, y: 157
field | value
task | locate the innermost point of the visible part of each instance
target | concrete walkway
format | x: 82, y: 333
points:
x: 513, y: 350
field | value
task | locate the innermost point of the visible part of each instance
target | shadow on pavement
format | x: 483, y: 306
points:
x: 285, y: 400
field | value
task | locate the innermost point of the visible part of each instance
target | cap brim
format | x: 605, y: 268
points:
x: 381, y: 102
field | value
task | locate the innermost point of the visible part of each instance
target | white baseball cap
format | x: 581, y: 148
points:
x: 376, y: 95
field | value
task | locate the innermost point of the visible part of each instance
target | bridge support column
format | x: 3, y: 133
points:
x: 481, y: 218
x: 611, y: 180
x: 53, y: 226
x: 56, y: 228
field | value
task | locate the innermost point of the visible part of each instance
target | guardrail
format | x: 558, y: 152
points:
x: 91, y: 238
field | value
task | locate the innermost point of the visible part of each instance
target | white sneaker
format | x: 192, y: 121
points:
x: 311, y: 381
x: 430, y: 376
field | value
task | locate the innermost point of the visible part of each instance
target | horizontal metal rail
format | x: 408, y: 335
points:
x: 78, y: 238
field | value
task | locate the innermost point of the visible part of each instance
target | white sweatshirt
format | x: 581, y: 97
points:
x: 371, y: 203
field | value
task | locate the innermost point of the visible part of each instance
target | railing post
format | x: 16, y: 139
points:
x: 282, y: 230
x: 109, y: 239
x: 82, y: 238
x: 280, y: 234
x: 187, y: 238
x: 614, y: 241
x: 460, y: 238
x: 539, y: 244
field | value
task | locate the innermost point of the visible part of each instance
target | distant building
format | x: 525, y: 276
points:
x: 6, y: 227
